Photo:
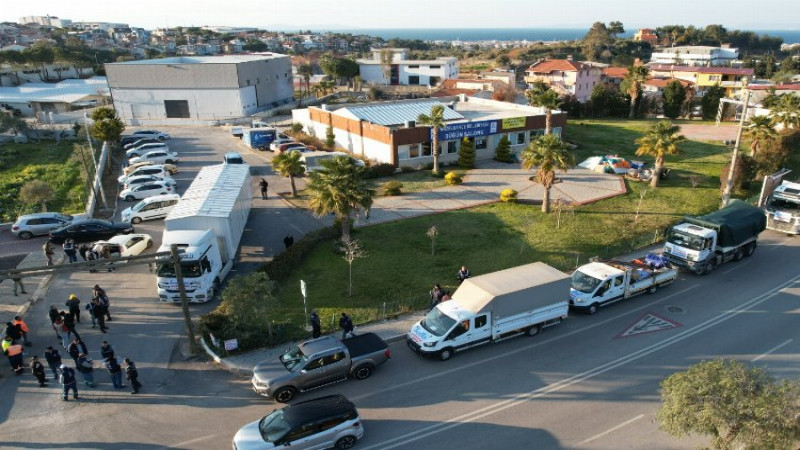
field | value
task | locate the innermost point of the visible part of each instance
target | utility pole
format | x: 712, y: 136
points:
x: 176, y: 260
x: 726, y: 194
x: 96, y: 170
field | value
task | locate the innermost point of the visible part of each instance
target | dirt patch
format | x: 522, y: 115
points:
x: 709, y: 132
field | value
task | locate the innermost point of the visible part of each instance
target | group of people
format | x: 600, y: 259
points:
x: 71, y: 251
x: 438, y: 294
x: 345, y: 324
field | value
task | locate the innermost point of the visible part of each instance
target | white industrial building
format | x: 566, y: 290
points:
x: 35, y: 99
x: 199, y: 90
x: 406, y: 72
x: 695, y: 55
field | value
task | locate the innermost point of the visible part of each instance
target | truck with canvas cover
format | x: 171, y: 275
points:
x: 700, y: 244
x: 492, y: 307
x: 207, y: 224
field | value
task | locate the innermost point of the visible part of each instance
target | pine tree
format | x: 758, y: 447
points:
x: 330, y: 138
x: 466, y: 155
x: 503, y: 151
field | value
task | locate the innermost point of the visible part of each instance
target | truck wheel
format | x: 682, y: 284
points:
x: 738, y: 254
x: 446, y: 354
x: 533, y: 331
x: 652, y: 289
x: 750, y: 249
x: 284, y: 394
x: 592, y: 309
x: 363, y: 372
x: 346, y: 442
x: 710, y: 267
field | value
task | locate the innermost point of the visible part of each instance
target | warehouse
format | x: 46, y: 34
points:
x: 199, y: 90
x: 387, y: 132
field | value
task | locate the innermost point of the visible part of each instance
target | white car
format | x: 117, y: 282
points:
x: 143, y: 179
x: 171, y: 168
x: 144, y: 148
x: 127, y: 244
x: 157, y: 157
x: 152, y: 170
x: 160, y: 135
x: 280, y: 140
x: 145, y: 190
x: 150, y: 208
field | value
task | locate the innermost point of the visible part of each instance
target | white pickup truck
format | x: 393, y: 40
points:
x: 601, y: 283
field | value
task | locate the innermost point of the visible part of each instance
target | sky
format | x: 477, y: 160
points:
x: 354, y: 14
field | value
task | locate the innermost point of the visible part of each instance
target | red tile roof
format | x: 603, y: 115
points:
x: 778, y: 87
x: 552, y: 65
x: 615, y: 72
x: 450, y: 92
x: 663, y: 82
x: 726, y: 71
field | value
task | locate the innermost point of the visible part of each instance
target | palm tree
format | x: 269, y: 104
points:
x: 289, y: 164
x: 340, y: 187
x: 637, y: 75
x: 786, y: 111
x: 305, y: 70
x: 435, y: 121
x: 545, y: 98
x: 661, y: 139
x: 759, y: 129
x: 548, y: 153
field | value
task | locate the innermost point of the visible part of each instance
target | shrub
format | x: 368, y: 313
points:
x: 407, y: 169
x: 503, y: 151
x: 453, y: 179
x: 392, y: 188
x: 508, y: 196
x: 330, y: 138
x: 296, y: 127
x: 285, y: 262
x: 380, y: 170
x: 466, y: 154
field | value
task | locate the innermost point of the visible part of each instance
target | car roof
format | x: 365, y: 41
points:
x: 84, y: 221
x: 121, y: 238
x: 316, y: 409
x: 41, y: 214
x: 156, y: 198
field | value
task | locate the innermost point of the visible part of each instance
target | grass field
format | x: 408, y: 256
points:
x: 46, y: 161
x: 400, y: 269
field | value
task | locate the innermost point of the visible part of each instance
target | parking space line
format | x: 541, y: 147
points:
x: 611, y: 430
x: 772, y: 350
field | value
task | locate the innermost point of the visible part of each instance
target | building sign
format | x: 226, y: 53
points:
x: 513, y: 122
x: 466, y: 129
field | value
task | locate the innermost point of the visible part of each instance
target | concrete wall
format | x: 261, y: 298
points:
x: 209, y: 104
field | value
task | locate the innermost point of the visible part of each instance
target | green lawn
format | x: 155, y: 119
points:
x: 400, y: 270
x: 44, y: 161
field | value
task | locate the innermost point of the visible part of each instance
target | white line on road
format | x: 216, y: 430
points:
x: 611, y: 430
x: 773, y: 349
x: 191, y: 441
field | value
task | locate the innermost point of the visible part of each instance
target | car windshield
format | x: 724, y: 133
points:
x: 273, y: 426
x: 139, y: 206
x: 190, y: 269
x: 685, y: 240
x: 293, y: 358
x: 437, y: 323
x: 584, y: 283
x: 781, y: 204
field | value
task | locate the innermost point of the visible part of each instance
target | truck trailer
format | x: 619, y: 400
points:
x: 493, y: 307
x: 207, y: 224
x: 700, y: 244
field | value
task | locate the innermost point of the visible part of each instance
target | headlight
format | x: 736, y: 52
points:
x: 429, y: 344
x: 578, y: 300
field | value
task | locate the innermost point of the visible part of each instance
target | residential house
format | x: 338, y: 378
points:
x: 646, y: 35
x: 406, y: 72
x: 470, y: 88
x: 654, y: 87
x: 565, y: 76
x: 695, y: 55
x: 612, y: 77
x: 758, y: 92
x: 732, y: 79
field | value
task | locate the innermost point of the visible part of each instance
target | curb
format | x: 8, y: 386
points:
x: 38, y: 294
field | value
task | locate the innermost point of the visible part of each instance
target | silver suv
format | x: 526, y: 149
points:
x: 324, y: 422
x: 31, y: 225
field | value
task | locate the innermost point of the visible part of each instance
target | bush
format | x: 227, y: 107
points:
x: 284, y: 263
x: 392, y: 188
x: 407, y: 169
x: 503, y: 151
x: 508, y: 196
x: 296, y: 127
x: 453, y: 179
x: 380, y: 170
x: 466, y: 154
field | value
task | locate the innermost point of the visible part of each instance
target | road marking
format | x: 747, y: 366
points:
x: 191, y: 441
x: 773, y: 349
x: 649, y: 323
x: 575, y: 379
x: 741, y: 264
x: 611, y: 430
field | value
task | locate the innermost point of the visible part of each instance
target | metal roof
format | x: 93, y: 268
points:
x: 67, y: 91
x: 389, y: 114
x: 218, y: 59
x: 213, y: 192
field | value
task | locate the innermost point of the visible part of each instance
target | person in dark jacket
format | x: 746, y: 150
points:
x: 76, y: 348
x: 38, y: 370
x: 74, y: 305
x: 463, y: 274
x: 100, y: 293
x: 264, y: 186
x: 316, y: 325
x: 99, y: 313
x: 13, y: 331
x: 106, y: 350
x: 69, y: 382
x: 83, y: 250
x: 115, y: 370
x: 86, y: 368
x: 132, y: 375
x: 53, y: 360
x: 55, y: 315
x: 346, y: 324
x: 288, y: 240
x: 69, y: 324
x: 90, y: 309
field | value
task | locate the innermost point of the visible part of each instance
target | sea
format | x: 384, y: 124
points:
x: 510, y: 34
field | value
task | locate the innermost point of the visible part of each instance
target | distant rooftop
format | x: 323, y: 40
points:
x: 222, y: 59
x: 67, y: 91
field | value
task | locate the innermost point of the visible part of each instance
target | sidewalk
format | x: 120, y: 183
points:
x: 35, y: 287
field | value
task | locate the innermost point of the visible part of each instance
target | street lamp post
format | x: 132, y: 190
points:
x: 94, y: 161
x: 726, y: 194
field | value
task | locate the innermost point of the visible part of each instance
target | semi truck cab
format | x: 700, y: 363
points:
x: 691, y: 243
x: 201, y: 264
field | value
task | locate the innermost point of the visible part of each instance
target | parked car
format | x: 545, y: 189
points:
x: 233, y: 158
x: 144, y: 179
x: 160, y: 135
x: 150, y: 208
x: 88, y: 230
x: 140, y: 142
x: 127, y: 244
x: 325, y: 422
x: 318, y: 362
x: 145, y: 190
x: 171, y: 168
x: 157, y: 157
x: 280, y: 140
x: 151, y: 170
x: 128, y: 139
x: 292, y: 146
x: 37, y: 224
x: 144, y: 148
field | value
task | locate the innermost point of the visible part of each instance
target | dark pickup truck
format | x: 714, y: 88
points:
x: 317, y: 363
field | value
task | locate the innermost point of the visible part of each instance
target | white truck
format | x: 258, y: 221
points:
x: 493, y: 307
x: 700, y: 244
x: 783, y: 208
x: 207, y: 224
x: 601, y: 283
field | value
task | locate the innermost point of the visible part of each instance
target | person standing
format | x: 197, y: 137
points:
x: 55, y: 316
x: 106, y: 350
x: 100, y: 294
x: 99, y: 313
x: 69, y: 324
x: 132, y: 375
x: 47, y: 248
x: 74, y: 305
x: 76, y: 348
x: 83, y: 250
x: 70, y: 251
x: 436, y: 295
x: 13, y: 332
x: 90, y: 309
x: 69, y: 381
x: 53, y: 360
x: 346, y: 324
x: 17, y: 282
x: 115, y: 370
x: 37, y: 369
x: 86, y: 368
x: 264, y: 186
x: 463, y: 274
x: 288, y: 240
x: 316, y: 324
x: 23, y: 329
x: 14, y: 353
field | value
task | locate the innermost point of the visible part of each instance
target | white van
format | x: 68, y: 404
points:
x: 313, y: 160
x: 150, y: 208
